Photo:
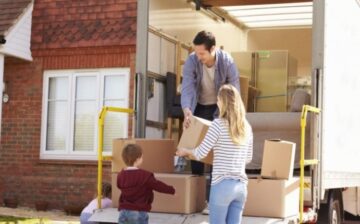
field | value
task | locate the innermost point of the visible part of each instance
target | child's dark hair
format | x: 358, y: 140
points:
x: 206, y: 38
x: 106, y: 190
x: 131, y: 153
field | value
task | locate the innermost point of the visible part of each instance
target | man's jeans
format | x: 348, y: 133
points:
x: 133, y: 217
x: 206, y: 112
x: 227, y: 200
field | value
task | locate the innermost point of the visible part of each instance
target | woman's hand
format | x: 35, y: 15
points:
x: 183, y: 152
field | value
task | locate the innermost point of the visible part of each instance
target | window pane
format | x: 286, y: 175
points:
x: 85, y: 113
x: 86, y: 87
x: 58, y: 88
x: 114, y: 87
x: 115, y: 124
x: 115, y: 92
x: 57, y: 115
x: 57, y: 126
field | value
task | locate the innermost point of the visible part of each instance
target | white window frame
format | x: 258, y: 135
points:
x: 69, y: 153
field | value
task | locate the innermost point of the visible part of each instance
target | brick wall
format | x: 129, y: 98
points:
x: 65, y: 35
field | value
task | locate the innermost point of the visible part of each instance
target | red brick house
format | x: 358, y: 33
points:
x: 82, y: 57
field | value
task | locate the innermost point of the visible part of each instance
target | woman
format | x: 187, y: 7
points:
x: 106, y: 202
x: 230, y: 137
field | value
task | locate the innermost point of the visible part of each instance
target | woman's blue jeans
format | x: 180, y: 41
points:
x: 227, y: 200
x: 133, y: 217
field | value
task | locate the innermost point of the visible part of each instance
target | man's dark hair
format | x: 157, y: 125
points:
x: 131, y: 153
x: 206, y: 38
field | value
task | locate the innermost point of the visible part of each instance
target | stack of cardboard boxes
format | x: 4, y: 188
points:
x: 158, y: 157
x: 276, y: 192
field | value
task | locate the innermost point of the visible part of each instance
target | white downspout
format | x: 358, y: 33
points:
x: 2, y: 65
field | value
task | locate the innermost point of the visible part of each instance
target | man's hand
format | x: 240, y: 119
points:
x: 187, y: 116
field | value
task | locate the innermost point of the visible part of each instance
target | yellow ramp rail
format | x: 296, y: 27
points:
x: 101, y: 121
x: 304, y: 162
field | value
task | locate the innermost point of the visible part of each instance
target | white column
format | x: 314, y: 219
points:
x: 2, y: 65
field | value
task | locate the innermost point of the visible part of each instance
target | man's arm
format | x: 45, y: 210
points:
x: 233, y: 76
x: 188, y: 87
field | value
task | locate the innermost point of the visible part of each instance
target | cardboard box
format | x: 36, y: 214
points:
x: 189, y: 195
x: 115, y: 191
x: 158, y: 154
x: 244, y: 89
x: 278, y: 159
x: 193, y: 136
x: 272, y: 198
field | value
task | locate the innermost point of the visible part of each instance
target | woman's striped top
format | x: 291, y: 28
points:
x: 230, y: 159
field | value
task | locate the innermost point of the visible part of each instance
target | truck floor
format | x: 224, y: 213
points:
x: 110, y: 215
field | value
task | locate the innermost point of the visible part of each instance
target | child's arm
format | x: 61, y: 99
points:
x: 159, y: 186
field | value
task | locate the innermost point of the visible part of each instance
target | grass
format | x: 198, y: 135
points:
x: 22, y: 220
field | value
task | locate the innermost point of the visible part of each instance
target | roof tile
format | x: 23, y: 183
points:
x: 76, y: 24
x: 10, y: 10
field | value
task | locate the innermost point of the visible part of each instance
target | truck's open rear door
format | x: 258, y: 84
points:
x: 336, y: 44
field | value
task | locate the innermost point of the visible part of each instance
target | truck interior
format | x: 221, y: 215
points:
x: 270, y: 44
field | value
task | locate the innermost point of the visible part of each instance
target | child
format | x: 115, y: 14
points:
x: 137, y: 187
x: 105, y: 203
x: 230, y: 137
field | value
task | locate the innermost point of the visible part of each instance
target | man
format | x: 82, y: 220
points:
x: 205, y: 71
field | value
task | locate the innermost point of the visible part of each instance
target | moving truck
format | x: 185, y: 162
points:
x: 335, y: 81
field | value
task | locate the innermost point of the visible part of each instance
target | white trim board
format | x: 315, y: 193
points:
x: 18, y: 38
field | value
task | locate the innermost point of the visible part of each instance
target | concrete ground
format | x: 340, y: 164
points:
x: 59, y: 217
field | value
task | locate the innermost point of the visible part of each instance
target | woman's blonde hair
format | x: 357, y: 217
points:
x: 232, y: 109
